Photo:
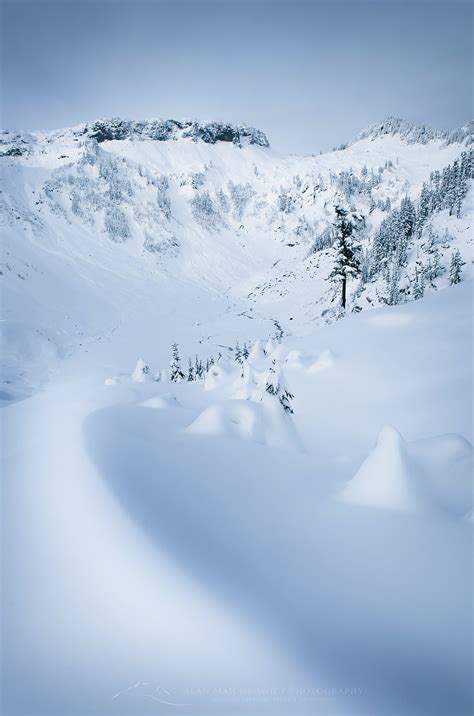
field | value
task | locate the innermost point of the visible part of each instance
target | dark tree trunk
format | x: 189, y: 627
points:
x: 343, y: 299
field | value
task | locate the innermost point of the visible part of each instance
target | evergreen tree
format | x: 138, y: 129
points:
x: 419, y: 283
x: 176, y: 374
x: 285, y: 399
x: 407, y: 218
x: 275, y: 385
x: 272, y: 385
x: 461, y: 191
x: 393, y: 284
x: 455, y: 269
x: 190, y: 371
x: 436, y: 199
x: 238, y: 353
x: 198, y: 369
x: 245, y: 351
x: 430, y: 247
x: 424, y: 207
x: 347, y: 261
x: 453, y: 192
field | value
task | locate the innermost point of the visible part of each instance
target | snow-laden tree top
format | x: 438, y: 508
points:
x: 418, y: 133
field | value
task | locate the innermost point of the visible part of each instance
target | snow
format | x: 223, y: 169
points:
x: 168, y: 400
x: 383, y: 480
x: 325, y: 360
x: 232, y: 417
x: 185, y: 546
x: 141, y: 374
x: 192, y: 543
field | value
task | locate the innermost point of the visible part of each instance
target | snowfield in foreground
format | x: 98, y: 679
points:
x: 196, y: 548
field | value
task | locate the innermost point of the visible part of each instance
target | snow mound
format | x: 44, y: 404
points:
x: 383, y: 480
x: 326, y: 359
x: 261, y: 422
x: 279, y: 353
x: 294, y: 359
x: 168, y: 400
x: 398, y: 475
x: 232, y: 418
x: 218, y: 376
x: 141, y: 374
x: 249, y: 385
x: 257, y: 354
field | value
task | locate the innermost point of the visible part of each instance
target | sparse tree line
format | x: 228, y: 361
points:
x: 446, y: 189
x: 388, y: 254
x: 270, y: 379
x: 196, y: 369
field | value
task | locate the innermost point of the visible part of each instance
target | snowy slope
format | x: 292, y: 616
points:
x: 95, y: 231
x: 150, y: 563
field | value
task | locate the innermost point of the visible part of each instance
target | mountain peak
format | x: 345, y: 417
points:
x: 415, y: 133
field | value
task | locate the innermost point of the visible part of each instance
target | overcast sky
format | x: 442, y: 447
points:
x: 310, y: 74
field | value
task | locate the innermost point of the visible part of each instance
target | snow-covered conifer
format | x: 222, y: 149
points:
x: 276, y: 385
x: 198, y: 369
x: 347, y: 261
x: 238, y: 353
x: 285, y: 399
x: 190, y: 377
x: 455, y: 268
x: 272, y: 384
x: 419, y: 282
x: 176, y: 374
x: 430, y: 247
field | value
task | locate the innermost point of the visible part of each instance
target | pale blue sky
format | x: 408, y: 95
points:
x: 310, y: 74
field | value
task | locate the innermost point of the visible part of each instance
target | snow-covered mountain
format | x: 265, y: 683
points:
x: 117, y: 218
x: 283, y: 528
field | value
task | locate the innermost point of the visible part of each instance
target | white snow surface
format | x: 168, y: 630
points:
x: 190, y: 546
x: 191, y: 555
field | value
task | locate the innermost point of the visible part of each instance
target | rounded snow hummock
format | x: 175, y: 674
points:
x: 383, y: 480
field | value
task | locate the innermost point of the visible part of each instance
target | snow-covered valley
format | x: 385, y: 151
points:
x: 288, y: 527
x: 105, y: 236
